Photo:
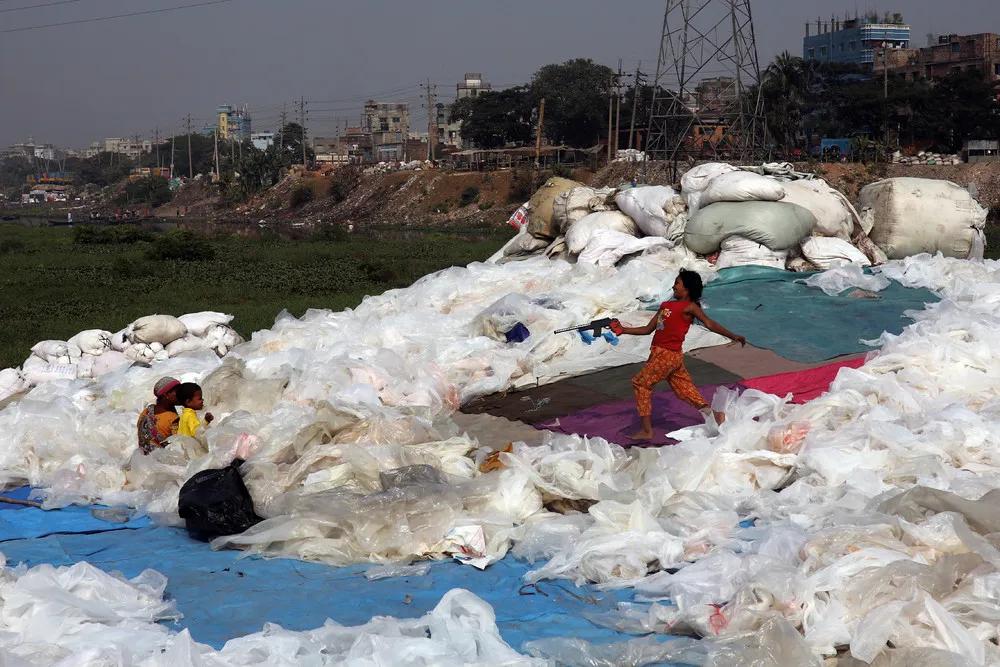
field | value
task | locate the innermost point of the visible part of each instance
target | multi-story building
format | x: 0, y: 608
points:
x: 715, y: 93
x: 130, y: 149
x: 952, y: 53
x: 853, y: 41
x: 450, y: 134
x: 234, y: 123
x: 471, y: 86
x: 261, y: 140
x: 388, y: 123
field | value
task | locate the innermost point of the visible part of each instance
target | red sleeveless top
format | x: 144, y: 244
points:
x: 671, y: 325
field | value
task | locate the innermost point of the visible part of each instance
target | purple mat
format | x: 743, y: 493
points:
x: 615, y: 421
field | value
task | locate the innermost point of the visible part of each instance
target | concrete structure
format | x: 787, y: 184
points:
x: 981, y: 151
x: 715, y: 93
x: 261, y: 140
x: 471, y: 86
x: 853, y: 41
x: 388, y: 123
x: 952, y: 53
x: 234, y: 123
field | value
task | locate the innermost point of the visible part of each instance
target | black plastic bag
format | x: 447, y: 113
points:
x: 216, y: 502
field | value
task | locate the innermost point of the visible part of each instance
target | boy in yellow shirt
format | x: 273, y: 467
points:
x: 189, y: 396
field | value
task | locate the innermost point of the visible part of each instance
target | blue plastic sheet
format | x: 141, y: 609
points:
x: 775, y: 312
x: 223, y: 597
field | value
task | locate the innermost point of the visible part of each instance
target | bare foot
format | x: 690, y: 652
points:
x: 641, y: 436
x: 720, y: 417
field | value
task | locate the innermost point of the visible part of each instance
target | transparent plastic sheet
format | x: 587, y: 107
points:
x: 843, y: 275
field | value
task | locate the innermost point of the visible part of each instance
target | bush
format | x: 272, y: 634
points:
x: 441, y: 208
x: 181, y: 245
x: 153, y: 190
x: 344, y: 180
x: 562, y: 171
x: 470, y: 196
x: 10, y: 246
x: 486, y: 205
x: 301, y: 195
x: 331, y: 233
x: 125, y: 234
x: 522, y: 186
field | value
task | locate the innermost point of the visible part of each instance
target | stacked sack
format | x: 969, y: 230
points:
x: 94, y: 353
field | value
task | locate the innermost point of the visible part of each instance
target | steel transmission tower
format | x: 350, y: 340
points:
x: 707, y: 102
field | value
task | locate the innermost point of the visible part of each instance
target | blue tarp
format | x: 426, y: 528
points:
x: 222, y: 596
x: 801, y: 323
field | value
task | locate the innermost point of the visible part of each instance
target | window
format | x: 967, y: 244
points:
x: 395, y: 119
x: 998, y: 42
x: 841, y: 47
x: 822, y: 51
x: 996, y: 69
x: 812, y: 54
x: 854, y: 46
x: 956, y: 47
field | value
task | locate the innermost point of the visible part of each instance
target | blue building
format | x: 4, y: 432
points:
x: 853, y: 41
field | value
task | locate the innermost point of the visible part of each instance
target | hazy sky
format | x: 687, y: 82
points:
x: 73, y: 84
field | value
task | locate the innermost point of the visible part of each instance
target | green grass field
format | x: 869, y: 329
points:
x: 52, y: 287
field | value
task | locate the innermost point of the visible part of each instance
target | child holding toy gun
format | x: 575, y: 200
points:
x: 666, y: 361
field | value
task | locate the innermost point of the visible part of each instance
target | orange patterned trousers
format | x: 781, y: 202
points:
x: 666, y: 365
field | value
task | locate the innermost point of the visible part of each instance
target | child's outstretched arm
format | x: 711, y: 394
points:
x: 714, y: 326
x: 640, y: 331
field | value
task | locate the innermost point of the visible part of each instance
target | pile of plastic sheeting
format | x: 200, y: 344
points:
x: 353, y: 458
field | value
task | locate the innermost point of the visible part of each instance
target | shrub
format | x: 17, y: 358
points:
x: 343, y: 182
x: 486, y: 205
x: 10, y: 246
x: 181, y: 245
x: 522, y: 186
x: 441, y: 208
x: 93, y: 235
x: 470, y: 196
x: 332, y: 232
x: 562, y: 171
x: 301, y: 195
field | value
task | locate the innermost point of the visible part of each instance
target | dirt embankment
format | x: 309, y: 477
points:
x: 429, y: 199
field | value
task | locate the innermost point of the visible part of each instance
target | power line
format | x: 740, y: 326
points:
x: 47, y: 4
x: 117, y: 16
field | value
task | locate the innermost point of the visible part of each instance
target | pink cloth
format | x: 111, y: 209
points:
x: 802, y: 385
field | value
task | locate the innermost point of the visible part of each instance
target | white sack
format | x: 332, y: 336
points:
x: 823, y: 252
x: 777, y: 225
x: 738, y: 251
x: 12, y: 381
x: 522, y: 245
x: 222, y: 339
x: 93, y: 341
x: 141, y: 352
x: 576, y: 204
x: 187, y: 343
x: 50, y: 350
x: 160, y: 329
x: 835, y: 216
x: 37, y: 371
x: 697, y: 179
x: 652, y: 207
x: 918, y: 215
x: 736, y: 186
x: 579, y: 234
x: 108, y: 362
x: 606, y: 247
x: 198, y: 324
x: 120, y: 341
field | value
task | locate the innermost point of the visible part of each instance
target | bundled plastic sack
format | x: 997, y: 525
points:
x: 222, y: 339
x: 917, y: 215
x: 51, y: 351
x: 93, y: 341
x: 540, y: 207
x: 38, y: 371
x: 216, y: 503
x: 12, y: 381
x: 198, y: 324
x: 522, y: 245
x: 777, y: 225
x: 835, y: 216
x: 578, y: 203
x: 187, y: 343
x: 579, y: 234
x: 738, y: 251
x: 652, y: 207
x: 697, y: 179
x: 120, y: 341
x: 738, y: 186
x: 825, y: 251
x: 607, y: 247
x: 162, y: 329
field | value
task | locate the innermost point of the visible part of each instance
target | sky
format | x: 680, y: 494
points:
x: 73, y: 84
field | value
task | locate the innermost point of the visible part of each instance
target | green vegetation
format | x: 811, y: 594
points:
x: 153, y: 191
x: 469, y: 196
x: 52, y: 287
x: 301, y: 196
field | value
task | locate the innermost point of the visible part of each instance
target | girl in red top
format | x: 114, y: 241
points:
x: 666, y: 361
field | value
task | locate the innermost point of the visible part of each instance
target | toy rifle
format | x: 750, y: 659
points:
x: 594, y: 330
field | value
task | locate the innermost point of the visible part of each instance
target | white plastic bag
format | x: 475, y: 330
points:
x: 93, y: 341
x: 842, y: 276
x: 607, y: 247
x: 647, y: 206
x: 824, y: 251
x: 579, y: 234
x: 697, y: 179
x: 738, y: 251
x: 50, y: 350
x: 187, y: 343
x: 835, y: 216
x: 12, y: 381
x: 198, y: 324
x: 38, y: 371
x: 737, y: 186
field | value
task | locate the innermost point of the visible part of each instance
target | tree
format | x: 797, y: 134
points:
x: 153, y: 190
x: 784, y: 88
x: 255, y: 170
x: 576, y: 101
x: 290, y: 137
x: 202, y: 150
x: 495, y: 119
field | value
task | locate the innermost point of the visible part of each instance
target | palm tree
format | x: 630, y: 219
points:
x: 784, y: 85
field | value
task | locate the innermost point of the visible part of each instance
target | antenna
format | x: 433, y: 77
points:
x: 707, y: 103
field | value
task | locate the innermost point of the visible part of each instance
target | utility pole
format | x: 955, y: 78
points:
x: 635, y: 101
x: 215, y: 133
x: 156, y: 142
x: 281, y: 130
x: 611, y: 107
x: 538, y: 137
x: 431, y: 120
x: 173, y: 144
x: 618, y: 107
x: 137, y: 147
x: 302, y: 123
x: 190, y: 159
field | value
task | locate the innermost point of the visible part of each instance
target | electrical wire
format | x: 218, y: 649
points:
x: 117, y: 16
x: 47, y: 4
